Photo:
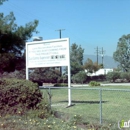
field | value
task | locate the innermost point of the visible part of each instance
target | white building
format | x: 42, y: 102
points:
x: 103, y: 71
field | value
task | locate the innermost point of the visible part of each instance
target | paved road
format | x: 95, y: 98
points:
x: 83, y: 85
x: 119, y: 84
x: 108, y: 84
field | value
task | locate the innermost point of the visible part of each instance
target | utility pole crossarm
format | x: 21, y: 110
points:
x: 60, y: 31
x: 100, y: 52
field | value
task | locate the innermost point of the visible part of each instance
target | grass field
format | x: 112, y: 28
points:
x: 115, y: 104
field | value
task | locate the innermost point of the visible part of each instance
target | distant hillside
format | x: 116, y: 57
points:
x: 108, y: 60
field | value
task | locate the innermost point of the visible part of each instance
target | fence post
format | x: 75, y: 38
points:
x: 50, y: 96
x: 100, y: 105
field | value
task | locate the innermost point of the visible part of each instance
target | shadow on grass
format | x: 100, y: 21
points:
x: 88, y: 102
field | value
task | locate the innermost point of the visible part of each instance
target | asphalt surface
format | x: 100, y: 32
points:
x: 83, y: 85
x: 107, y: 84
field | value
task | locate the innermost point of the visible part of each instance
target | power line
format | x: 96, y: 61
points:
x: 23, y: 13
x: 31, y: 15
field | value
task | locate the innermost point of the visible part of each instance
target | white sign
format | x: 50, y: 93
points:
x: 47, y: 53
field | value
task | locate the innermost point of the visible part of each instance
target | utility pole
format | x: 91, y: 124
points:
x: 60, y: 38
x: 60, y: 31
x: 97, y: 52
x: 102, y: 55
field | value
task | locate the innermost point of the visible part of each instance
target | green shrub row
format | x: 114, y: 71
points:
x: 116, y: 76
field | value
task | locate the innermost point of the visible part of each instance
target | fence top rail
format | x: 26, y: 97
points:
x: 80, y: 88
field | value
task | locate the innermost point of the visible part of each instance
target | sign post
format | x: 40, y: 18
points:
x: 49, y: 53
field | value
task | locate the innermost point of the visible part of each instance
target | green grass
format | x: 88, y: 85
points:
x: 115, y: 104
x: 27, y: 123
x: 84, y: 115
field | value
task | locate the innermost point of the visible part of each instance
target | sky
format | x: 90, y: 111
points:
x: 89, y: 23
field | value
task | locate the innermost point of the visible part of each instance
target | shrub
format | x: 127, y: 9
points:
x: 112, y: 76
x: 45, y: 75
x: 94, y: 83
x: 98, y: 77
x: 16, y: 74
x: 125, y: 76
x: 18, y: 96
x: 60, y: 85
x: 79, y: 77
x: 63, y: 79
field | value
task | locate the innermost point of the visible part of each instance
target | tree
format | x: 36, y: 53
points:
x: 12, y: 41
x: 12, y: 36
x: 122, y: 53
x: 44, y: 75
x: 1, y: 1
x: 112, y: 76
x: 16, y: 74
x: 76, y: 58
x: 79, y: 77
x: 90, y: 66
x: 63, y: 79
x: 101, y: 66
x: 125, y: 76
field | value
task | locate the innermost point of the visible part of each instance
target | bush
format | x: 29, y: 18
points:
x: 79, y: 77
x: 60, y: 85
x: 94, y: 83
x: 44, y: 75
x: 16, y: 74
x: 112, y: 76
x: 125, y: 76
x: 63, y: 79
x: 18, y: 96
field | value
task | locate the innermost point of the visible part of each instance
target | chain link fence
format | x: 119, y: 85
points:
x: 94, y: 105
